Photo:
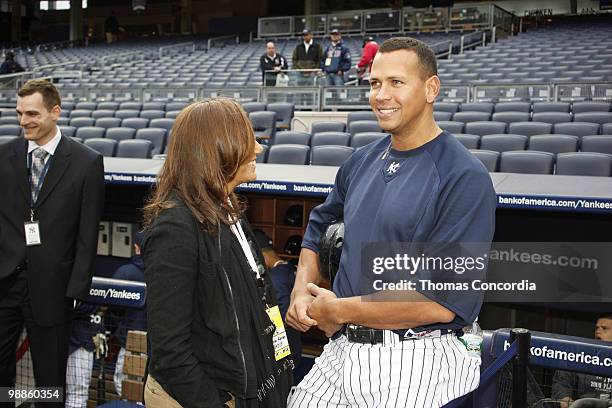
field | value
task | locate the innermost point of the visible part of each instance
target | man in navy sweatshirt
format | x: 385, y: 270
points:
x: 336, y: 60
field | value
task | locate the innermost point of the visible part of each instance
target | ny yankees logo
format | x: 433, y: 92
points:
x: 393, y: 167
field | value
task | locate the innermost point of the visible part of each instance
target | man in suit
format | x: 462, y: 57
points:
x: 52, y: 193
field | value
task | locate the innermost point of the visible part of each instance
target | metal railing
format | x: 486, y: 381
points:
x: 460, y: 17
x: 472, y: 40
x: 221, y: 41
x: 180, y: 46
x: 326, y: 98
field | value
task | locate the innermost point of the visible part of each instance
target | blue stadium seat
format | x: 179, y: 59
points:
x: 102, y: 113
x: 69, y: 105
x: 589, y: 106
x: 86, y: 106
x: 108, y: 105
x: 264, y: 124
x: 155, y: 105
x: 440, y: 115
x: 172, y: 114
x: 451, y: 107
x: 63, y: 121
x: 130, y: 106
x: 606, y: 129
x: 361, y: 126
x: 80, y: 113
x: 254, y: 106
x: 120, y: 133
x: 176, y: 106
x: 127, y: 113
x: 156, y: 136
x: 512, y: 107
x: 135, y: 123
x: 477, y: 107
x: 485, y: 128
x: 327, y: 127
x: 593, y: 117
x: 261, y: 157
x: 503, y: 143
x: 329, y: 155
x: 292, y: 137
x: 552, y: 117
x: 330, y: 138
x: 488, y: 158
x: 598, y: 144
x: 530, y: 128
x: 152, y: 114
x: 164, y: 123
x: 136, y: 149
x: 577, y: 128
x: 510, y: 117
x: 81, y: 122
x: 288, y: 154
x: 452, y: 126
x: 108, y: 122
x: 90, y: 132
x: 106, y: 147
x: 551, y: 107
x: 362, y: 139
x: 10, y: 130
x: 584, y: 164
x: 471, y: 116
x: 554, y: 143
x: 9, y: 120
x: 529, y: 162
x: 67, y: 131
x: 468, y: 141
x: 7, y: 138
x: 360, y: 115
x: 284, y: 113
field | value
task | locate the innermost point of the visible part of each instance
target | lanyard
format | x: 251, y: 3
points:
x: 43, y: 174
x: 239, y: 233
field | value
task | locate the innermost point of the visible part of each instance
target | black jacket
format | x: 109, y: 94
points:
x: 68, y: 209
x: 201, y: 302
x: 307, y: 60
x: 267, y: 64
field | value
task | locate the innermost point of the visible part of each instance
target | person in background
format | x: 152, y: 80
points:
x: 111, y: 28
x: 271, y: 61
x: 10, y: 66
x: 568, y: 386
x: 129, y: 319
x: 282, y: 274
x: 370, y: 48
x: 336, y: 60
x: 307, y: 55
x: 87, y: 322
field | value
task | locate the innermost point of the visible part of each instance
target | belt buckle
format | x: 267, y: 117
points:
x: 361, y: 334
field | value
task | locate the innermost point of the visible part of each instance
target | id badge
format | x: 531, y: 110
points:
x: 279, y: 339
x: 328, y: 61
x: 32, y: 233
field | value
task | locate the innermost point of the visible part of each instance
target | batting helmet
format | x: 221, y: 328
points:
x: 330, y: 250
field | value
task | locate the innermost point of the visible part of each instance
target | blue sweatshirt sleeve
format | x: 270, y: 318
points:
x: 332, y: 210
x: 345, y: 63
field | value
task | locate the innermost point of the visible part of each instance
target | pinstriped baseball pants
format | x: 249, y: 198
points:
x: 427, y: 372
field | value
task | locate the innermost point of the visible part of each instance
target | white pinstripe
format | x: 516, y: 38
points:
x: 78, y: 377
x: 427, y: 372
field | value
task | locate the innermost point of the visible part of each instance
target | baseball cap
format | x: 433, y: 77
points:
x: 262, y: 239
x: 367, y: 40
x: 335, y: 31
x: 293, y: 215
x: 305, y: 31
x: 293, y: 245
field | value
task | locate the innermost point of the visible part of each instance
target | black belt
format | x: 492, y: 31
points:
x: 366, y: 335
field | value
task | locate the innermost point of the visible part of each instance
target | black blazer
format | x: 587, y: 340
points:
x: 68, y: 209
x: 198, y: 304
